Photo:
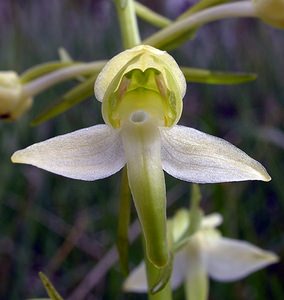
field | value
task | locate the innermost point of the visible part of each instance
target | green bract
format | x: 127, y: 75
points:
x: 141, y: 90
x: 270, y: 11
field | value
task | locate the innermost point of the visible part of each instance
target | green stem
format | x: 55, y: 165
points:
x: 123, y: 222
x: 195, y: 213
x: 181, y: 27
x: 128, y: 23
x: 196, y: 282
x: 44, y: 82
x: 198, y: 6
x: 150, y: 16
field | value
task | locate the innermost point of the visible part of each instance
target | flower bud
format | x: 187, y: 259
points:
x: 12, y: 101
x: 270, y: 11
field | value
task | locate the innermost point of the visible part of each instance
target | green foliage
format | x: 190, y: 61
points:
x: 215, y: 77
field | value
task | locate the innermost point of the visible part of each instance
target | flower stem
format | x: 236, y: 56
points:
x: 44, y: 82
x: 150, y: 16
x: 180, y: 27
x: 195, y: 212
x: 196, y: 283
x: 128, y: 23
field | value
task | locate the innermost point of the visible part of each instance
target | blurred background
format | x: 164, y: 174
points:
x: 67, y: 228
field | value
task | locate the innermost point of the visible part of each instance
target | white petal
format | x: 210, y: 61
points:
x: 211, y: 221
x: 229, y: 260
x: 136, y: 281
x: 87, y: 154
x: 194, y: 156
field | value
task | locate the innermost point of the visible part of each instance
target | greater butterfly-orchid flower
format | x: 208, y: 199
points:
x: 204, y: 254
x: 141, y: 90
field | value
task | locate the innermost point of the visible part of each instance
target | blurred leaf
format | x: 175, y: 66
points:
x: 42, y: 69
x: 50, y: 289
x: 123, y: 222
x: 76, y: 95
x: 216, y: 77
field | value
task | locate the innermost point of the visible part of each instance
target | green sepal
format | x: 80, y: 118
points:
x: 50, y: 289
x: 216, y: 77
x: 73, y: 97
x: 43, y: 69
x: 122, y: 242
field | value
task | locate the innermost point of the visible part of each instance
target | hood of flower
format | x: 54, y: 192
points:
x: 142, y: 78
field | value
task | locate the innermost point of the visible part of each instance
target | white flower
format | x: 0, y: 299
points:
x: 270, y: 11
x: 206, y: 253
x: 13, y: 103
x: 141, y: 90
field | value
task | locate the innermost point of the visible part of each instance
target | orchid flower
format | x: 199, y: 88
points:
x: 270, y: 11
x: 13, y: 102
x: 205, y: 253
x: 141, y: 91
